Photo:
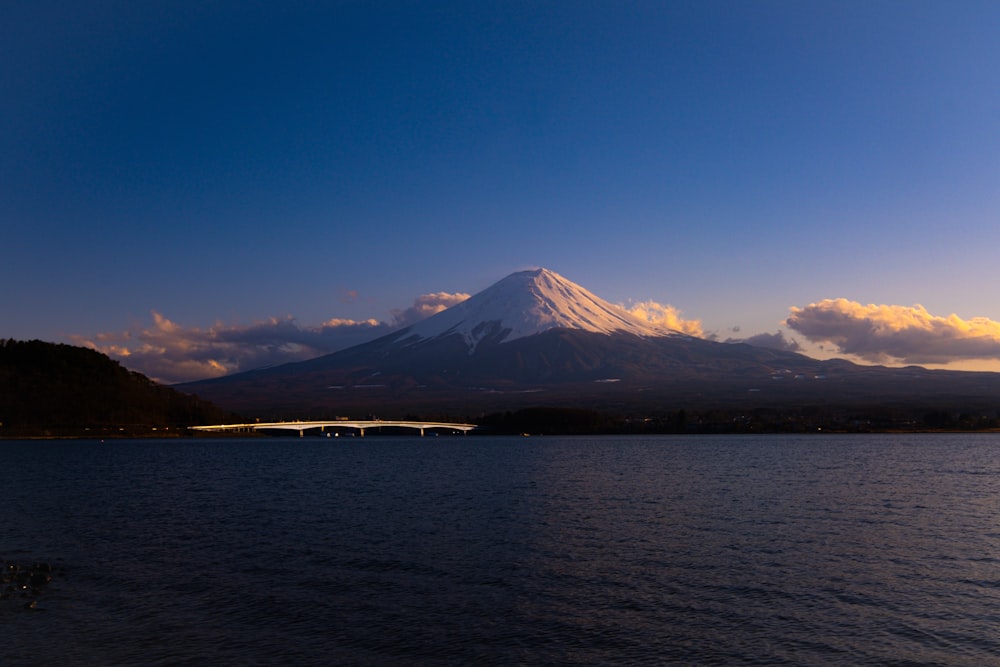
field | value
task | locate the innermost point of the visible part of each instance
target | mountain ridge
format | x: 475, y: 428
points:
x: 535, y: 338
x: 54, y: 389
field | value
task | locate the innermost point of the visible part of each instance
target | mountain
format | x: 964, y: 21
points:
x: 525, y: 304
x: 536, y: 338
x: 55, y: 389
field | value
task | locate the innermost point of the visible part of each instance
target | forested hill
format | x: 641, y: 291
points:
x: 63, y: 390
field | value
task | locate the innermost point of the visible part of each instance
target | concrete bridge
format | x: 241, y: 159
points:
x: 358, y: 425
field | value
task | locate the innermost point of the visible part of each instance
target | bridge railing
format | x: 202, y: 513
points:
x: 358, y: 425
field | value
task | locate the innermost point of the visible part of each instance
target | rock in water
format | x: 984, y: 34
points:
x: 24, y: 583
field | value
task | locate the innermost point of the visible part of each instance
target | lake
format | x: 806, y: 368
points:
x: 694, y: 550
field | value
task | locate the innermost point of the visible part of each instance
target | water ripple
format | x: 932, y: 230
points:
x: 872, y: 550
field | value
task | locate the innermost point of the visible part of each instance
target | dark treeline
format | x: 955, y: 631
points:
x: 49, y: 389
x: 577, y: 421
x: 573, y: 421
x: 55, y: 389
x: 548, y: 421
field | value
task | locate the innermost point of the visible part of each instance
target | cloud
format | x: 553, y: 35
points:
x: 170, y: 353
x: 424, y: 306
x: 888, y: 334
x: 665, y: 316
x: 775, y: 341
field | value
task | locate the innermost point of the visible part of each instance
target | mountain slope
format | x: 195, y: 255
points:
x: 525, y: 304
x: 536, y: 338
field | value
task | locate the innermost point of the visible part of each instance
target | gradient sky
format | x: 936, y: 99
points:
x: 241, y: 171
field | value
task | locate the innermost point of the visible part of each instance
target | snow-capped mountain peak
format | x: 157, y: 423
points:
x: 527, y: 303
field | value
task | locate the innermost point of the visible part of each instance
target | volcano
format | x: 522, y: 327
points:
x: 536, y: 338
x: 528, y: 303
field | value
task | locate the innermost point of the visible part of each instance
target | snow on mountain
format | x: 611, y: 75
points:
x: 527, y: 303
x: 452, y: 363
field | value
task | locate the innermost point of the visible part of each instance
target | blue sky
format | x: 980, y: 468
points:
x: 277, y: 174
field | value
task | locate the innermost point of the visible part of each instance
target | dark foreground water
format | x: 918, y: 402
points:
x: 757, y: 550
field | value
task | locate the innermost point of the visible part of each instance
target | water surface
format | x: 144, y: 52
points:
x: 728, y: 550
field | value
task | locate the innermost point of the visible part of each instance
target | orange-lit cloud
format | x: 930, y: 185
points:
x: 665, y: 315
x: 896, y: 334
x: 170, y: 353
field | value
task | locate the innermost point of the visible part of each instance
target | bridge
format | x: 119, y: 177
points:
x: 358, y: 425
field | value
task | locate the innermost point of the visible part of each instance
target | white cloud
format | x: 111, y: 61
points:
x: 424, y: 306
x: 891, y: 334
